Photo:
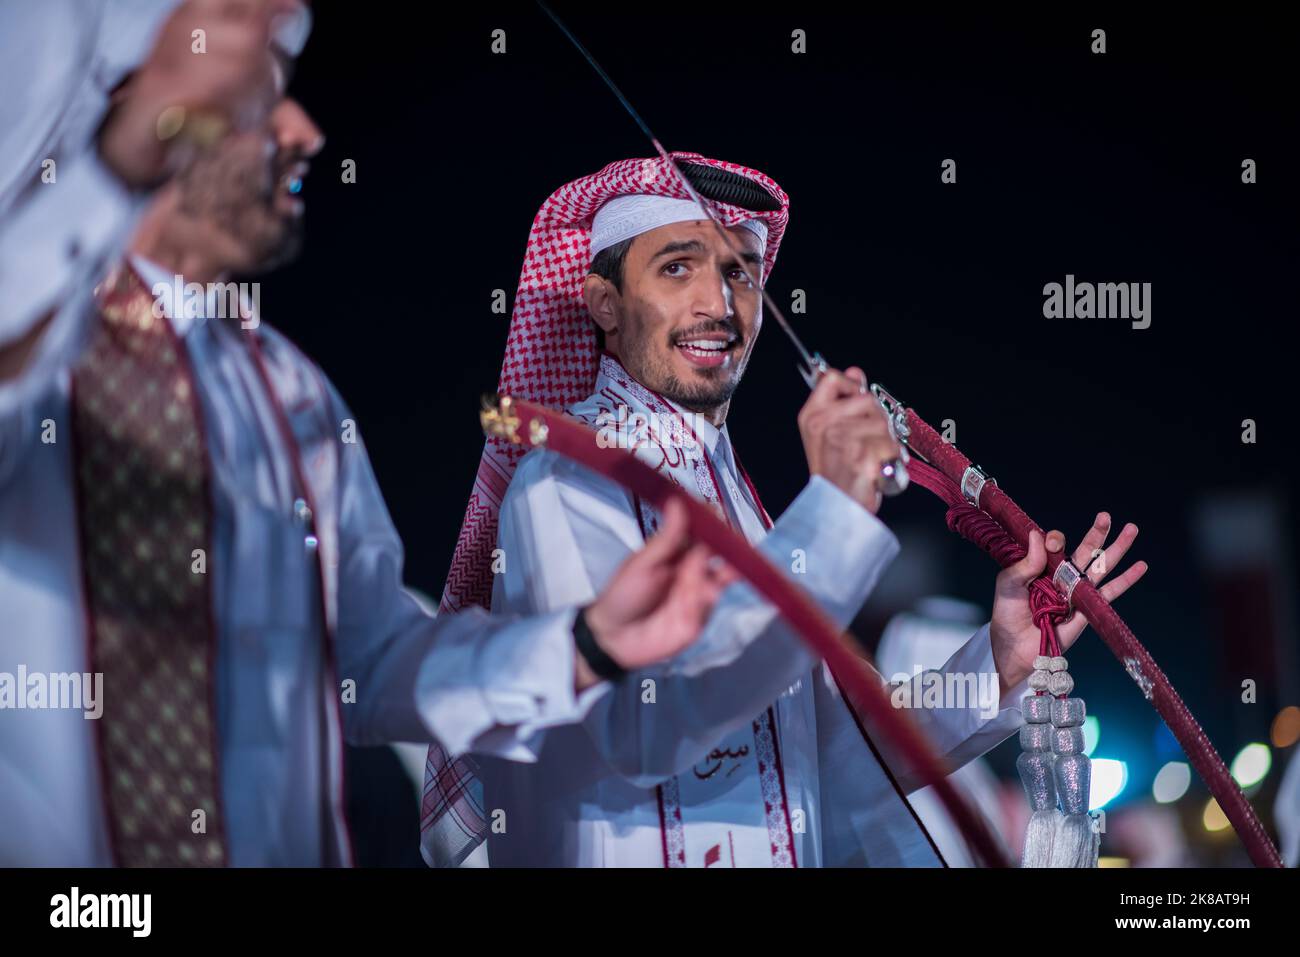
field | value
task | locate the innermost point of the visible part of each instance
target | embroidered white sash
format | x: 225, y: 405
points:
x: 732, y: 809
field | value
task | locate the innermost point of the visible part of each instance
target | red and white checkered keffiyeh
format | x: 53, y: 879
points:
x: 551, y: 359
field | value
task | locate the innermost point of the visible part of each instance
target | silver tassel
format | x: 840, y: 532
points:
x: 1076, y: 841
x: 1035, y: 765
x: 1054, y: 768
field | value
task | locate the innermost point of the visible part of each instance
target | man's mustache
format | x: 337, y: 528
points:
x: 717, y: 325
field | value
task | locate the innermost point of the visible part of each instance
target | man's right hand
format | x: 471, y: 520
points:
x: 846, y: 436
x: 233, y: 78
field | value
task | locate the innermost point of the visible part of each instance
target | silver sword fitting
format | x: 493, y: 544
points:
x: 893, y: 478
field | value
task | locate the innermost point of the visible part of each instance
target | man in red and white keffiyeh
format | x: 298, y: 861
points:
x: 635, y: 315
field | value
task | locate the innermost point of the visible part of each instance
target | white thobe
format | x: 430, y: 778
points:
x: 590, y: 798
x: 467, y: 680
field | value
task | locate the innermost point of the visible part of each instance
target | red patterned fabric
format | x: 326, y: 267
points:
x: 144, y: 506
x: 551, y: 358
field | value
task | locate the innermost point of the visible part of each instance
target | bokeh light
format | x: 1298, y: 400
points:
x: 1251, y: 764
x: 1286, y: 727
x: 1108, y: 779
x: 1172, y: 782
x: 1213, y: 817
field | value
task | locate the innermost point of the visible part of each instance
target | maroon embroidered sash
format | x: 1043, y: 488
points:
x: 142, y: 477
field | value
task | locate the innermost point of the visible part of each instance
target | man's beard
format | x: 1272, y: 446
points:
x: 700, y: 397
x: 281, y: 246
x: 234, y: 190
x: 709, y: 391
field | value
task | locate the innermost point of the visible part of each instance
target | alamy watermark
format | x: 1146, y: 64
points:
x: 37, y: 690
x: 213, y: 300
x: 947, y: 690
x: 133, y: 912
x: 1103, y: 300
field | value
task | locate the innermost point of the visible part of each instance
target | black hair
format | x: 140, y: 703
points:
x: 608, y: 265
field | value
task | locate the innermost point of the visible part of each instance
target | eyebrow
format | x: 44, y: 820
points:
x: 695, y: 246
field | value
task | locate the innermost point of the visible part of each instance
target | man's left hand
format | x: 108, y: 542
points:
x: 1014, y: 635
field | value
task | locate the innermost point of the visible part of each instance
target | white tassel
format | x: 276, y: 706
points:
x: 1076, y: 842
x: 1040, y: 837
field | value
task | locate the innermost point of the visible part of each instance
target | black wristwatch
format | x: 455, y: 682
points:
x: 602, y: 664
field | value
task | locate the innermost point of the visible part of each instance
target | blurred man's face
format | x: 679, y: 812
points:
x: 243, y: 193
x: 687, y: 318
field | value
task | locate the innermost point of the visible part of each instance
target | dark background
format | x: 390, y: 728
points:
x: 1122, y: 167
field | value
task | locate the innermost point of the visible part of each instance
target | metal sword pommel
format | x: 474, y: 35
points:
x: 498, y: 418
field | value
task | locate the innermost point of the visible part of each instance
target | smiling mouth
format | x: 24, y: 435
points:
x: 707, y: 351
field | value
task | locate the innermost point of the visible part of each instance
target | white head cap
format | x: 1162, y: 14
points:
x: 626, y: 216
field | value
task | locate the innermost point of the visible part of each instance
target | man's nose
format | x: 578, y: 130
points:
x: 295, y: 131
x: 716, y: 298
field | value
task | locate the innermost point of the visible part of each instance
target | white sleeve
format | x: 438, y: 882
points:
x: 565, y: 530
x: 957, y: 707
x: 963, y: 733
x: 59, y: 238
x: 63, y: 215
x: 473, y: 682
x: 56, y: 243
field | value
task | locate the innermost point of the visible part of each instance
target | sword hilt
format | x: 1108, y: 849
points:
x: 893, y: 478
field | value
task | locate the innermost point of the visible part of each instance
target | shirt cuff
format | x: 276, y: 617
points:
x: 523, y: 683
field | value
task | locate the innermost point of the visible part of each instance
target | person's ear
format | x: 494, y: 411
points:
x: 602, y: 302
